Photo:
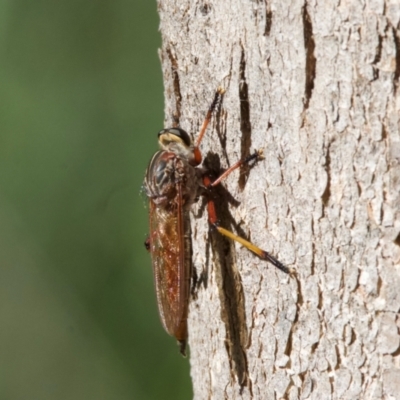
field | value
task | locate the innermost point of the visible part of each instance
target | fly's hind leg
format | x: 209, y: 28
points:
x: 213, y: 219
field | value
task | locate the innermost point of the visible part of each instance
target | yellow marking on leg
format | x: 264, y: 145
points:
x: 256, y: 250
x: 242, y: 241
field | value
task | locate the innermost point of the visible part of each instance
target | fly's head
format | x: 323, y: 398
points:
x: 177, y: 141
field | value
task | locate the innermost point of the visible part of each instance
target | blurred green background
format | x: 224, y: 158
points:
x: 81, y: 104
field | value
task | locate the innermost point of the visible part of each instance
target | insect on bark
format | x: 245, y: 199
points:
x: 172, y: 183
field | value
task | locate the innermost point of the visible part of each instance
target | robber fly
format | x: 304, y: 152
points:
x: 172, y: 183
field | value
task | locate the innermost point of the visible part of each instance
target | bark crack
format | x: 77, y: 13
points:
x: 327, y: 192
x: 176, y: 85
x: 396, y: 36
x: 268, y: 18
x: 245, y: 124
x: 310, y: 66
x: 377, y: 58
x: 397, y: 240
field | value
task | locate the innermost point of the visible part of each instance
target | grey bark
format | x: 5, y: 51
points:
x: 316, y: 85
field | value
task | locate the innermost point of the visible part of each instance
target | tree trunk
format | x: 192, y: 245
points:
x: 316, y: 85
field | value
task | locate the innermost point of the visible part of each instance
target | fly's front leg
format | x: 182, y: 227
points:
x: 214, y: 105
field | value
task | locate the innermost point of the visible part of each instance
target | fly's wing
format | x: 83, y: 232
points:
x: 171, y: 264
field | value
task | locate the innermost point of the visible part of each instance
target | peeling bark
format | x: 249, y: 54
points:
x: 316, y: 85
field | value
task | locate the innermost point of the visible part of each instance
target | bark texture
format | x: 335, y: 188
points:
x: 316, y: 85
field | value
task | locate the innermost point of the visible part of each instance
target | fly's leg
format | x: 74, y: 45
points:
x: 213, y: 219
x: 215, y: 103
x: 257, y: 155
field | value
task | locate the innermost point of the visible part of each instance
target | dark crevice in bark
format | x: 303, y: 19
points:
x: 245, y: 124
x: 327, y: 192
x: 379, y: 284
x: 312, y: 267
x: 268, y: 18
x: 396, y: 36
x: 310, y: 66
x: 288, y: 348
x: 377, y: 58
x: 378, y: 54
x: 220, y: 126
x: 396, y: 353
x: 176, y: 86
x: 397, y: 240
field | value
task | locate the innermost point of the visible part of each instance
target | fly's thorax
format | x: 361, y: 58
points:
x: 166, y: 172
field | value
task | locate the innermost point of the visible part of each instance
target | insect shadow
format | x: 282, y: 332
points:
x: 221, y: 252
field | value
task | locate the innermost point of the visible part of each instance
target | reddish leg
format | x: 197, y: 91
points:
x: 217, y: 99
x: 213, y: 106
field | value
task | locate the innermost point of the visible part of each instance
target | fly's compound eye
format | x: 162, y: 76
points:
x: 177, y: 135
